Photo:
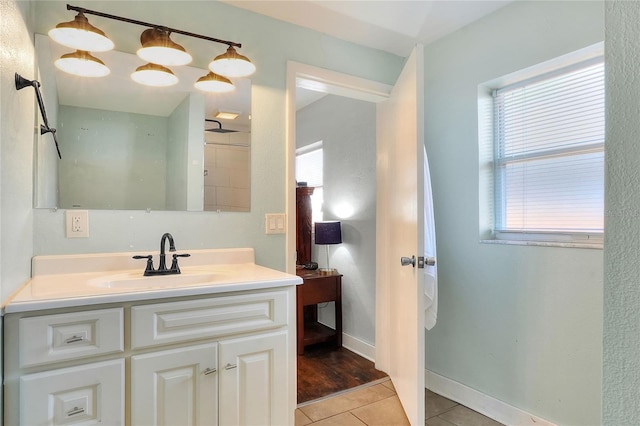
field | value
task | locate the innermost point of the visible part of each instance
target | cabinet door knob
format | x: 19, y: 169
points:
x: 74, y: 411
x: 209, y: 371
x: 230, y: 366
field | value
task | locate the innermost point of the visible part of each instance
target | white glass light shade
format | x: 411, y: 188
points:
x: 215, y: 83
x: 82, y: 64
x: 232, y: 64
x: 80, y: 34
x: 154, y: 75
x: 158, y: 48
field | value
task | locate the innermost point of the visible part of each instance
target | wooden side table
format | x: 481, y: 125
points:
x: 317, y: 288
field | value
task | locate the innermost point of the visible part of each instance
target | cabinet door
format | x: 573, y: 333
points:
x: 84, y: 395
x: 175, y: 387
x: 253, y: 380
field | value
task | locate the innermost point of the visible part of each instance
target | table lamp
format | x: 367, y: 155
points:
x: 328, y: 233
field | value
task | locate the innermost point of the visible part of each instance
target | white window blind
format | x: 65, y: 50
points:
x: 549, y: 152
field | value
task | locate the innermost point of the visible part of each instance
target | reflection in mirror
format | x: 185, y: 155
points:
x: 131, y: 147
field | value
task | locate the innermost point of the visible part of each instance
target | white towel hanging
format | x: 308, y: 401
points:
x: 430, y: 272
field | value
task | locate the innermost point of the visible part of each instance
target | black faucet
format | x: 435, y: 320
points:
x: 163, y: 243
x: 162, y: 267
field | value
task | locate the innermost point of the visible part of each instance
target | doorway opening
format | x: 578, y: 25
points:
x: 344, y: 119
x: 400, y: 297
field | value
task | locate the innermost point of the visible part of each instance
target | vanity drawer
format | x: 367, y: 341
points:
x: 173, y: 322
x: 61, y: 337
x: 82, y: 395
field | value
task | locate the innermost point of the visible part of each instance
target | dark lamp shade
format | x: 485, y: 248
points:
x: 328, y: 233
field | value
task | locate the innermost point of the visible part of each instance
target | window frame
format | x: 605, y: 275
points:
x: 570, y: 238
x: 317, y: 213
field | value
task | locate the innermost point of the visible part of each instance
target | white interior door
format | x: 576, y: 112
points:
x: 400, y: 297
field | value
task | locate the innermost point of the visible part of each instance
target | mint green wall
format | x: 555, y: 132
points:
x: 111, y: 159
x: 46, y: 173
x: 195, y: 153
x: 185, y: 155
x: 178, y: 135
x: 621, y: 375
x: 521, y: 324
x: 17, y: 112
x: 270, y: 44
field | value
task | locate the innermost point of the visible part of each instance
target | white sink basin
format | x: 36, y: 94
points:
x: 60, y: 281
x: 138, y: 281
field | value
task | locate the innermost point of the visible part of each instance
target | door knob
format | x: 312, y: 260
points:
x: 405, y: 261
x: 422, y: 261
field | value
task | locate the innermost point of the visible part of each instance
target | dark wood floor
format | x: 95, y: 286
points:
x: 324, y: 370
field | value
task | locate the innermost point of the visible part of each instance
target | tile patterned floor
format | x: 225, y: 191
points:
x: 378, y: 405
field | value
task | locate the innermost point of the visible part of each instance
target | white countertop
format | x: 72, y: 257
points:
x: 78, y: 280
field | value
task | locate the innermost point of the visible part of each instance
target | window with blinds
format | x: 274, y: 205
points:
x: 310, y: 169
x: 549, y: 153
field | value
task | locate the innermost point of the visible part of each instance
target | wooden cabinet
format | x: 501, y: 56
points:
x: 303, y: 224
x: 223, y: 360
x: 317, y: 288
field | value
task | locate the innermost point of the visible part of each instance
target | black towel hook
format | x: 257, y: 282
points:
x: 21, y: 83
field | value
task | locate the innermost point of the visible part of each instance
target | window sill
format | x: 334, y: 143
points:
x: 597, y: 246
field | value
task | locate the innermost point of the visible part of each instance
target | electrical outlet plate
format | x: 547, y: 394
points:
x: 77, y: 223
x: 274, y: 223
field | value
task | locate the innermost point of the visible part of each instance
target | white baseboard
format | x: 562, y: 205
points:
x: 360, y: 347
x: 484, y: 404
x: 356, y: 345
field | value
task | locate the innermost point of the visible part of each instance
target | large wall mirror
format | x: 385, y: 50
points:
x: 126, y: 146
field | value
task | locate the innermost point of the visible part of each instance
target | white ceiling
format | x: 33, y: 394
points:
x: 392, y: 26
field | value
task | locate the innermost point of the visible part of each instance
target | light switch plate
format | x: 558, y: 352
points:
x: 77, y: 223
x: 275, y: 223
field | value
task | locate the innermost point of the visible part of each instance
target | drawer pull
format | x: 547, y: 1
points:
x: 210, y: 371
x: 75, y: 411
x: 74, y: 339
x: 230, y: 366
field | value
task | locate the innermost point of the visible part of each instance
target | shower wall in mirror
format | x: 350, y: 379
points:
x: 131, y: 147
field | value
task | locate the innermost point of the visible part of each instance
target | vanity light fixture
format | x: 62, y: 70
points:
x: 232, y: 64
x: 227, y: 115
x: 80, y: 34
x: 158, y: 48
x: 83, y: 64
x: 154, y: 75
x: 214, y: 83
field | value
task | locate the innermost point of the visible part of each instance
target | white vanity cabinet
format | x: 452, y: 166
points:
x: 86, y: 392
x: 175, y: 387
x: 226, y: 359
x: 251, y: 369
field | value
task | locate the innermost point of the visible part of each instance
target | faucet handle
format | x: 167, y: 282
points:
x: 174, y: 263
x: 149, y: 268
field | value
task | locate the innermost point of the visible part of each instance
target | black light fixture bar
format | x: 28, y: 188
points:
x: 147, y: 24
